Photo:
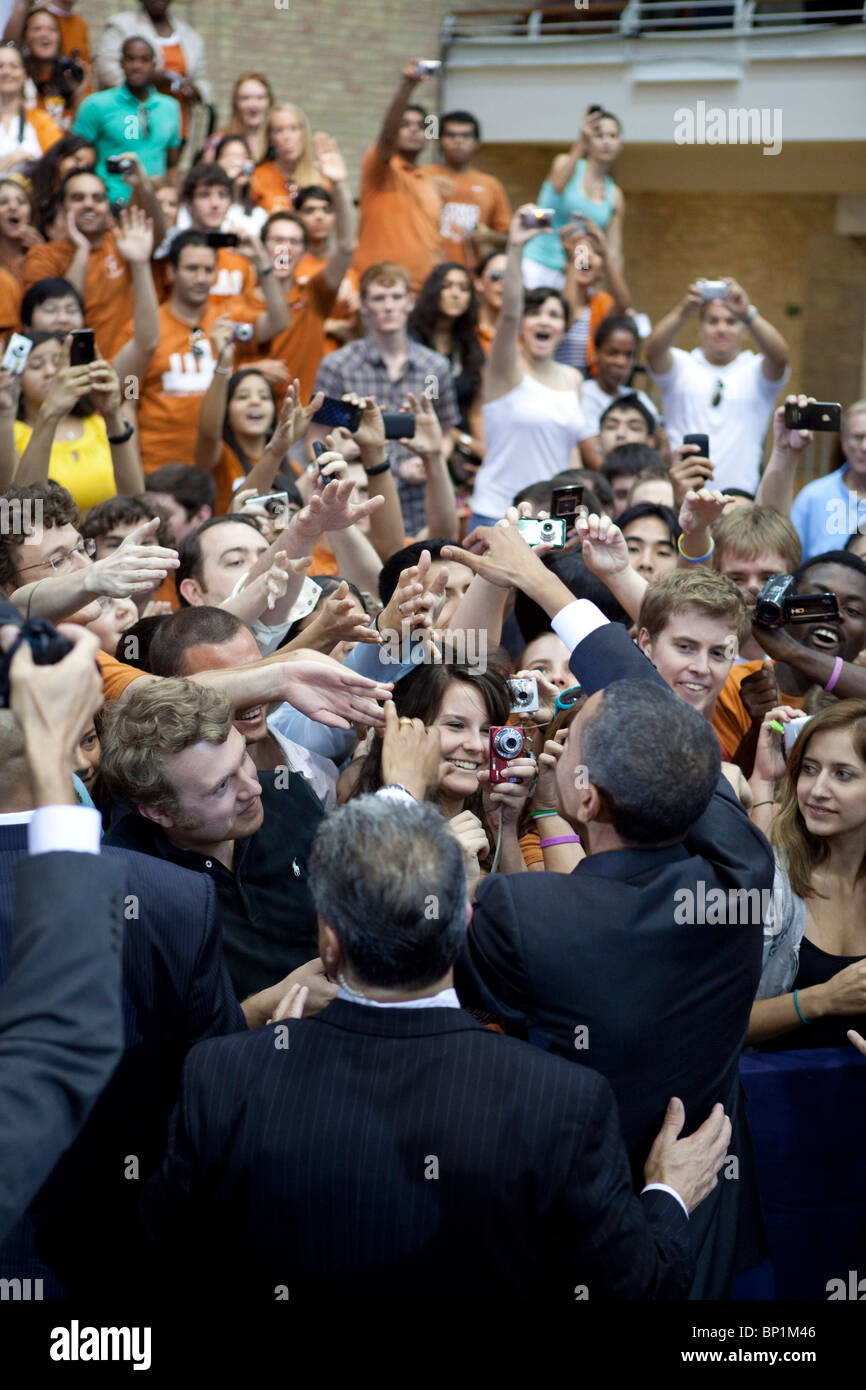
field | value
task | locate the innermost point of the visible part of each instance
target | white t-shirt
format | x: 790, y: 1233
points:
x: 595, y: 402
x: 735, y: 426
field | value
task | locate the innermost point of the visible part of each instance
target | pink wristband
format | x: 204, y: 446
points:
x: 560, y: 840
x: 837, y: 671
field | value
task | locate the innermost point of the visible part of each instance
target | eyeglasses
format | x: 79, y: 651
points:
x: 718, y: 393
x: 86, y: 546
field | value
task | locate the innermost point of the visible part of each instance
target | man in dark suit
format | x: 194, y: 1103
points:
x: 393, y: 1148
x: 604, y: 965
x: 60, y: 1012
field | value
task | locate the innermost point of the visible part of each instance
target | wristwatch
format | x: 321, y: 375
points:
x: 751, y: 314
x: 128, y: 432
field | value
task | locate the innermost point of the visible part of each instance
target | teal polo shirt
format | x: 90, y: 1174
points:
x: 118, y: 123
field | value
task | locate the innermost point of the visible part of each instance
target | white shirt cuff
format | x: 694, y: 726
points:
x: 576, y: 621
x: 671, y: 1191
x: 77, y: 828
x: 397, y: 794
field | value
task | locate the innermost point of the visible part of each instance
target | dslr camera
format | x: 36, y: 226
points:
x: 507, y: 742
x: 47, y: 645
x: 777, y: 604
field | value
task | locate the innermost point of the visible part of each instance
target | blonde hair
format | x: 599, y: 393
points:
x: 154, y: 721
x: 306, y: 170
x: 802, y: 851
x: 711, y: 594
x: 749, y: 532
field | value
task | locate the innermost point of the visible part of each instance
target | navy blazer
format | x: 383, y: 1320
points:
x: 389, y: 1154
x: 60, y: 1018
x: 176, y: 991
x: 595, y: 967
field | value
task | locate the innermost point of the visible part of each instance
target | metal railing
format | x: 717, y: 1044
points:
x: 631, y: 18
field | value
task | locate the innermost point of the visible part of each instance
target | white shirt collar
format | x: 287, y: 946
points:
x: 445, y: 999
x: 15, y: 817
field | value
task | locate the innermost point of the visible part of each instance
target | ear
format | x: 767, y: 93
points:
x: 204, y: 513
x: 157, y: 816
x: 645, y: 642
x: 191, y: 591
x: 330, y: 950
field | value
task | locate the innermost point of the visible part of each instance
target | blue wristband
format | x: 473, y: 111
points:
x: 797, y: 1007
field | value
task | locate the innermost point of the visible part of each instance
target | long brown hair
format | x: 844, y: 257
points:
x: 802, y: 851
x: 234, y: 126
x: 306, y: 170
x: 419, y: 696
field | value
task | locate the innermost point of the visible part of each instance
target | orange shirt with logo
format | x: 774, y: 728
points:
x: 175, y: 384
x: 400, y: 209
x: 302, y: 345
x: 474, y: 200
x: 107, y: 287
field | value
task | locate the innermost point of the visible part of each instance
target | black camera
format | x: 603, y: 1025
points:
x: 70, y: 70
x: 777, y: 604
x: 47, y: 645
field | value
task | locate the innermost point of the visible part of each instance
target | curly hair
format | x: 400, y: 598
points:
x: 52, y: 505
x: 425, y: 314
x: 157, y: 720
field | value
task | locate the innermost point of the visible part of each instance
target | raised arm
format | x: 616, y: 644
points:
x: 277, y: 315
x: 439, y: 499
x: 65, y: 391
x: 135, y: 240
x: 503, y: 370
x: 333, y: 166
x: 776, y: 488
x: 209, y: 439
x: 10, y: 389
x: 125, y: 457
x: 659, y: 343
x: 387, y: 141
x: 770, y: 342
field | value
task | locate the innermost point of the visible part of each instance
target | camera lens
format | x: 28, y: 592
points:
x: 547, y: 528
x: 508, y: 743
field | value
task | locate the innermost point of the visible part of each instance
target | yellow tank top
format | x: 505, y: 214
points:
x: 83, y: 466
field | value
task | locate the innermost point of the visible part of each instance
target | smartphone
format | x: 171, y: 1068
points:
x: 565, y: 501
x: 318, y: 450
x: 119, y: 164
x: 399, y: 424
x: 815, y: 415
x: 16, y: 354
x: 82, y: 349
x: 541, y: 218
x: 220, y: 239
x: 336, y: 413
x: 703, y: 443
x: 713, y: 289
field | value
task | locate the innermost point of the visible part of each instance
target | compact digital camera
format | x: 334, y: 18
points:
x: 507, y: 742
x: 549, y: 532
x: 524, y: 694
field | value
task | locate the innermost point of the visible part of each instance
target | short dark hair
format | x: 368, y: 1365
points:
x: 629, y: 400
x: 115, y: 511
x: 485, y: 260
x: 533, y: 300
x: 191, y: 558
x: 401, y: 560
x: 665, y: 514
x: 413, y: 106
x: 654, y: 759
x: 57, y: 509
x: 138, y: 38
x: 191, y: 237
x: 285, y: 215
x: 204, y: 176
x: 374, y: 873
x: 571, y: 568
x: 460, y: 118
x: 312, y: 190
x: 49, y: 287
x: 846, y: 558
x: 615, y: 323
x: 190, y: 487
x: 189, y: 627
x: 135, y: 643
x: 627, y: 460
x: 79, y: 174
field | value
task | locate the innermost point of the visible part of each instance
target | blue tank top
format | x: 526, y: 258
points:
x: 546, y: 248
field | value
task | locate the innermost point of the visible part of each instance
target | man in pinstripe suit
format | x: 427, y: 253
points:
x: 391, y: 1147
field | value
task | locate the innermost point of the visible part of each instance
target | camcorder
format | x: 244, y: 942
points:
x: 777, y: 604
x: 47, y: 645
x: 507, y: 742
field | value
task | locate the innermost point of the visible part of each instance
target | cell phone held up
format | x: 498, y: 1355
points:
x: 539, y: 218
x: 399, y: 424
x: 223, y: 240
x: 82, y: 349
x: 814, y: 415
x: 703, y: 443
x: 565, y: 502
x: 337, y: 414
x: 119, y: 164
x: 507, y: 743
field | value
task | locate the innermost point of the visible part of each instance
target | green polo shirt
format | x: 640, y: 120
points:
x: 118, y: 123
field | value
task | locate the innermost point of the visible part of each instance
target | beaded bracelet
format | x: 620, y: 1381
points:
x: 559, y: 840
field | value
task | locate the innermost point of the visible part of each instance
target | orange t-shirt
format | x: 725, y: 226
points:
x: 116, y: 675
x: 48, y: 130
x: 73, y: 35
x: 10, y: 302
x: 107, y: 287
x: 302, y: 345
x: 225, y: 475
x: 485, y: 337
x: 474, y: 200
x: 235, y: 276
x: 732, y: 720
x: 274, y: 191
x: 400, y: 210
x: 176, y: 381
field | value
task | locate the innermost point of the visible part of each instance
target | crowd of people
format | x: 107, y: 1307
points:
x: 356, y: 569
